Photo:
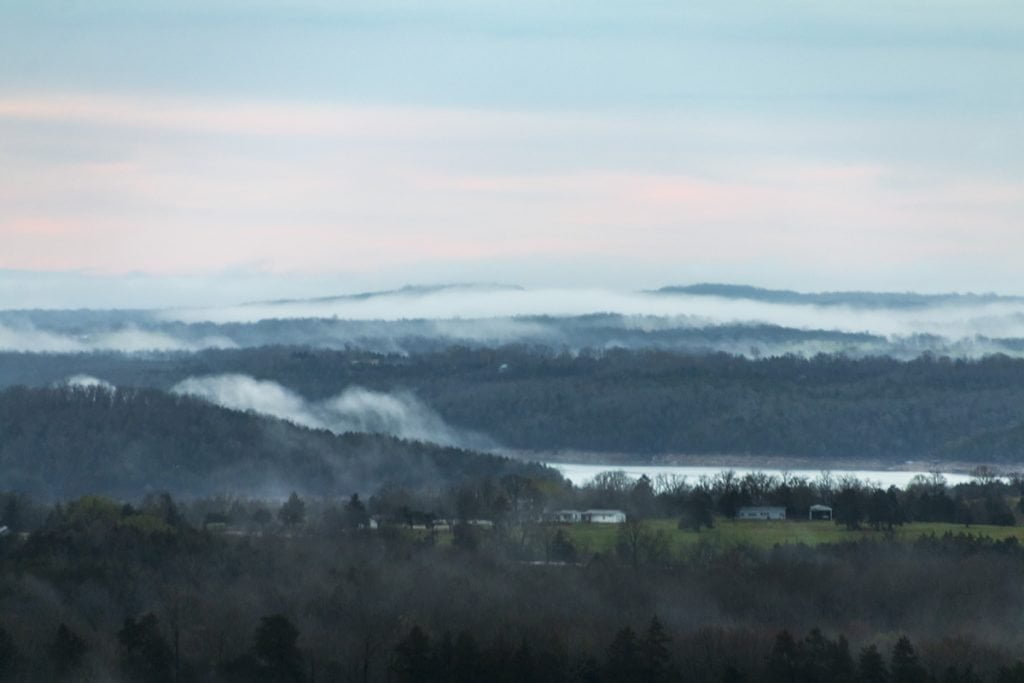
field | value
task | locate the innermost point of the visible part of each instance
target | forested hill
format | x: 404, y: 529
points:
x: 642, y: 403
x: 66, y: 442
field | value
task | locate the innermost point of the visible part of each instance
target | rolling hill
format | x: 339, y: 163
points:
x: 68, y: 441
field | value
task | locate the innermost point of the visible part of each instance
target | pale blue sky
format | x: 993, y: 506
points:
x: 810, y: 145
x: 822, y: 58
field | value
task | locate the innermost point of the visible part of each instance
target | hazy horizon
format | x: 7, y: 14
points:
x: 184, y: 153
x: 73, y: 290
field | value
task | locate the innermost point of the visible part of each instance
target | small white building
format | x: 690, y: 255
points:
x: 604, y: 516
x: 761, y: 512
x: 819, y: 512
x: 566, y: 516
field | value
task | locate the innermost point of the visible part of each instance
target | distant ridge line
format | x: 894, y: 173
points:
x: 860, y: 299
x: 401, y: 291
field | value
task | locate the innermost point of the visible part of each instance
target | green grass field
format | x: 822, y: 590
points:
x: 602, y: 537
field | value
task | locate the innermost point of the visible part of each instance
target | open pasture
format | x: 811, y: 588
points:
x: 603, y: 537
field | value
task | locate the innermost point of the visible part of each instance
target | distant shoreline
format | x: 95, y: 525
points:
x: 770, y: 462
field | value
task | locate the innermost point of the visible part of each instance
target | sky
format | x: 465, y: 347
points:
x: 176, y: 153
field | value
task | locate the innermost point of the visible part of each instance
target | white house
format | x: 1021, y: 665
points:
x: 761, y: 512
x: 566, y: 516
x: 604, y: 516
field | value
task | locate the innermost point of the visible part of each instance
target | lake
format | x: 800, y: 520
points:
x: 580, y: 474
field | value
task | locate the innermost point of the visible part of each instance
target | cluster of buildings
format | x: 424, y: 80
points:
x: 766, y: 512
x: 754, y: 512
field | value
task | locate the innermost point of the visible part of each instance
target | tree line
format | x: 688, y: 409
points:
x: 986, y: 499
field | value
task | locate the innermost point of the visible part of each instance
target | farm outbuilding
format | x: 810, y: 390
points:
x: 761, y: 512
x: 819, y: 512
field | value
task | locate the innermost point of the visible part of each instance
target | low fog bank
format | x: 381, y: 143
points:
x: 572, y: 335
x: 731, y: 319
x: 88, y: 382
x: 29, y: 338
x: 950, y: 316
x: 355, y: 409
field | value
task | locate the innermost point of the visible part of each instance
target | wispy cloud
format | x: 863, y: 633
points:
x: 353, y: 410
x: 291, y: 120
x: 165, y: 187
x: 88, y: 382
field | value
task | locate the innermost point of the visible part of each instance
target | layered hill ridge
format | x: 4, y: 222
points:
x: 850, y: 298
x: 636, y: 405
x: 700, y: 318
x: 69, y: 441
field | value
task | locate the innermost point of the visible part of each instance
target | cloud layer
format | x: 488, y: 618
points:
x: 29, y: 339
x: 430, y: 318
x: 452, y: 307
x: 353, y: 410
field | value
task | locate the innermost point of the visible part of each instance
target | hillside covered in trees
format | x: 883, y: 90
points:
x: 64, y: 442
x: 639, y: 403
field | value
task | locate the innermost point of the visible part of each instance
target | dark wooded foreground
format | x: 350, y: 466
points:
x: 101, y: 590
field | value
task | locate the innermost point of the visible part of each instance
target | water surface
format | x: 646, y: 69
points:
x: 580, y: 474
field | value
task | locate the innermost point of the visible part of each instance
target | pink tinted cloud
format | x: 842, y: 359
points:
x: 384, y: 186
x: 459, y: 219
x: 273, y: 119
